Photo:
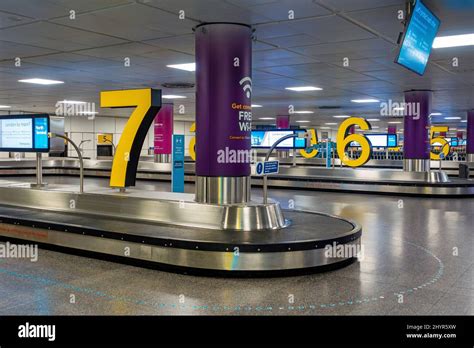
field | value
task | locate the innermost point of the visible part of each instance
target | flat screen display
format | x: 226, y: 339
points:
x: 418, y: 40
x: 379, y: 140
x: 24, y: 133
x: 454, y: 142
x: 264, y: 139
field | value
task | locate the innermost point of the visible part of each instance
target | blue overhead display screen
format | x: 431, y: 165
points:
x: 379, y: 140
x: 24, y: 133
x: 264, y: 139
x: 418, y: 40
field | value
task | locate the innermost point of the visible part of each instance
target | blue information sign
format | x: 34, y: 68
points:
x: 177, y: 161
x: 265, y: 168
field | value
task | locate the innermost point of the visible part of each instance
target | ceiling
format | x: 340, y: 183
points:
x: 88, y: 53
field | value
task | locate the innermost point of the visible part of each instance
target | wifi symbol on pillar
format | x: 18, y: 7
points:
x: 246, y: 84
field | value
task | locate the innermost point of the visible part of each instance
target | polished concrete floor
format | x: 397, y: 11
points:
x: 418, y: 259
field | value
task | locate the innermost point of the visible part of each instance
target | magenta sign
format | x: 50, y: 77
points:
x: 163, y: 130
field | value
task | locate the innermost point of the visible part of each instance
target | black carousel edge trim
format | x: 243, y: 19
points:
x: 188, y: 270
x: 180, y: 244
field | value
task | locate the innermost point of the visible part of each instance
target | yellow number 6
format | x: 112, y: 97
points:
x: 344, y: 139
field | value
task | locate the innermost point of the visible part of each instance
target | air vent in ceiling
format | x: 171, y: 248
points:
x: 180, y: 85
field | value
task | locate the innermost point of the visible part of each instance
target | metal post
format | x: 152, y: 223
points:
x: 39, y: 169
x: 113, y: 145
x: 79, y: 154
x: 265, y: 180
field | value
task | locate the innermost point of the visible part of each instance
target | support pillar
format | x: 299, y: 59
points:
x: 283, y: 122
x: 416, y: 143
x: 470, y: 136
x: 163, y: 134
x: 223, y: 112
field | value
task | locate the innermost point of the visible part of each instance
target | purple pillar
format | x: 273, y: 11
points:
x: 223, y: 112
x: 283, y: 122
x: 163, y: 133
x: 470, y: 134
x: 392, y: 129
x: 416, y: 142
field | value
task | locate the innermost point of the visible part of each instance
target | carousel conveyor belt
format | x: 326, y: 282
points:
x: 361, y: 180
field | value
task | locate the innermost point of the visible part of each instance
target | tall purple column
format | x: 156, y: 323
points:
x: 470, y: 136
x: 223, y: 112
x: 163, y: 133
x: 416, y: 143
x: 392, y: 129
x: 283, y: 122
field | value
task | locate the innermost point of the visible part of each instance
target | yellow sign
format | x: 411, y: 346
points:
x: 147, y: 103
x: 439, y: 140
x: 192, y: 142
x: 105, y: 139
x: 313, y: 141
x: 344, y: 139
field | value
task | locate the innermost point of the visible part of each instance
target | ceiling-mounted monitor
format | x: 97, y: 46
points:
x: 24, y: 133
x: 418, y: 38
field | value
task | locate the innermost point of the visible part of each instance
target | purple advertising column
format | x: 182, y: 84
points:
x: 283, y: 122
x: 163, y: 134
x: 470, y: 136
x: 223, y: 112
x: 416, y: 142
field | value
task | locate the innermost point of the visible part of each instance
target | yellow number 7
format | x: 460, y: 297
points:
x: 147, y: 103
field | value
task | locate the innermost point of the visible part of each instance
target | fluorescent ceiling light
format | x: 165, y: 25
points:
x: 375, y: 127
x: 365, y: 100
x: 394, y: 122
x: 303, y: 112
x: 71, y: 102
x: 330, y: 123
x: 452, y: 118
x: 464, y: 121
x: 304, y: 88
x: 341, y: 116
x: 41, y: 81
x: 172, y: 96
x: 436, y: 114
x: 453, y: 129
x: 303, y: 121
x: 266, y: 118
x: 4, y: 107
x: 324, y: 127
x: 88, y: 113
x: 453, y: 41
x: 256, y: 106
x: 373, y: 119
x: 186, y: 67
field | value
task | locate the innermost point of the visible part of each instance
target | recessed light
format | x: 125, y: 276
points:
x: 375, y: 127
x: 331, y: 123
x: 341, y: 116
x: 324, y: 127
x: 303, y: 112
x: 304, y: 88
x: 303, y: 121
x: 71, y: 102
x: 38, y: 81
x: 172, y: 96
x: 365, y: 100
x: 436, y: 114
x: 373, y: 119
x: 4, y: 107
x: 464, y: 121
x: 453, y: 41
x: 257, y: 106
x: 266, y: 118
x: 452, y: 118
x: 186, y: 66
x: 394, y: 122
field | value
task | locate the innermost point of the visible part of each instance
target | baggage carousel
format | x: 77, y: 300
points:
x: 342, y: 179
x: 173, y: 232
